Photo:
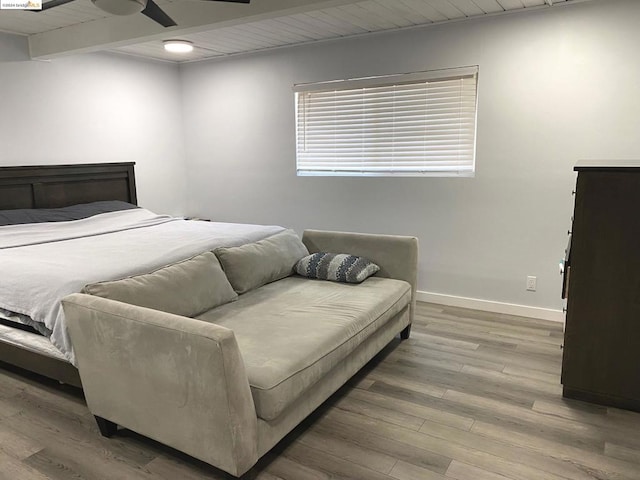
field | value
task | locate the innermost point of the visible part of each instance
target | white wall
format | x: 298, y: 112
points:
x: 95, y: 108
x: 556, y: 86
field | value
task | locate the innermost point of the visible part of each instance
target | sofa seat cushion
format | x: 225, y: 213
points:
x: 293, y: 331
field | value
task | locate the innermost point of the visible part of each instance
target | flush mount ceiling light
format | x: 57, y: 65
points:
x: 178, y: 46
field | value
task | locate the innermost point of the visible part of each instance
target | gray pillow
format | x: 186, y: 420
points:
x: 255, y: 264
x: 187, y: 288
x: 337, y: 267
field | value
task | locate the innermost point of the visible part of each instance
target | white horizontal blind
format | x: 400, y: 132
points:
x: 414, y: 124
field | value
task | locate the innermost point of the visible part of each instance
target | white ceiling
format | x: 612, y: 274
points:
x: 218, y: 29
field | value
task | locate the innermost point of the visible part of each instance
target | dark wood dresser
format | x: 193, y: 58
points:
x: 601, y: 360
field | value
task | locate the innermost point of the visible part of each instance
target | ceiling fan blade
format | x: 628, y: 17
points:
x: 51, y: 4
x: 155, y: 13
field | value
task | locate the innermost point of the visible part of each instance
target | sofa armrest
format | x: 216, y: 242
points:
x: 396, y: 255
x: 174, y: 379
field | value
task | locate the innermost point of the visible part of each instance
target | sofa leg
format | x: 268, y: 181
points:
x: 107, y: 428
x: 404, y: 334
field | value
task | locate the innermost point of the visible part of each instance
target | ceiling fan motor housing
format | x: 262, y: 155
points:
x: 121, y: 7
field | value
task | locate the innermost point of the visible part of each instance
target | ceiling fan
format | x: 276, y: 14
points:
x: 129, y: 7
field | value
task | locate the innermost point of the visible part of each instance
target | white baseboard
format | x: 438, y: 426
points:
x: 491, y: 306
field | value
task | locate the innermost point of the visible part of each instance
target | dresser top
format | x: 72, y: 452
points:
x: 607, y: 164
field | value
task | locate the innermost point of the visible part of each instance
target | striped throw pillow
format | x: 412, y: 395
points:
x: 337, y: 267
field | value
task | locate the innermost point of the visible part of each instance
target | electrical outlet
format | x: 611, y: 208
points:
x: 531, y: 283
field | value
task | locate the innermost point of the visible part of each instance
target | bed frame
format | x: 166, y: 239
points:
x: 53, y: 186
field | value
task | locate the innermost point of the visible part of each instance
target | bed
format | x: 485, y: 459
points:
x: 54, y: 186
x: 44, y: 260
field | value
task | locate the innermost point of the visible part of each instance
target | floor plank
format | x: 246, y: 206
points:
x: 375, y: 460
x: 16, y: 444
x: 519, y: 371
x: 470, y: 396
x: 406, y: 471
x: 462, y: 471
x: 622, y: 453
x: 594, y: 465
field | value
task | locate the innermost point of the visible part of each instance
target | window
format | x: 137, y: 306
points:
x: 415, y: 124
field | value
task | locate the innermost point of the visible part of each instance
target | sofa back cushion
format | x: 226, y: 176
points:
x: 255, y: 264
x: 186, y: 288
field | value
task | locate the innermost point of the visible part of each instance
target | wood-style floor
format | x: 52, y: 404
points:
x: 471, y: 396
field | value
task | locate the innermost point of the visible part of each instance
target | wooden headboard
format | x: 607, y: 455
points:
x: 53, y: 186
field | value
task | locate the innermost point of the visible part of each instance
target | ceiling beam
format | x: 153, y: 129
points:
x: 191, y: 16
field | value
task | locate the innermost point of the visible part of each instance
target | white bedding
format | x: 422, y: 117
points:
x: 42, y: 263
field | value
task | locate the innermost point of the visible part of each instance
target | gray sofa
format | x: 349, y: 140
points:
x: 228, y: 384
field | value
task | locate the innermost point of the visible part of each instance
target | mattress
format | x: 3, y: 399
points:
x: 44, y: 262
x: 24, y: 322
